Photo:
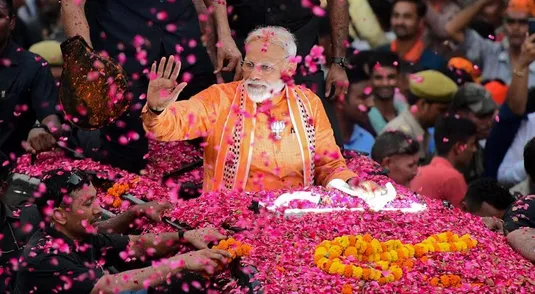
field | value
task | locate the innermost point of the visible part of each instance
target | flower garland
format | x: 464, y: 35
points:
x: 234, y: 247
x: 366, y: 258
x: 117, y: 190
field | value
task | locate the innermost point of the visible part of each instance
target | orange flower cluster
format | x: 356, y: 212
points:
x: 117, y: 190
x: 234, y: 247
x: 446, y: 281
x: 347, y: 289
x: 364, y: 257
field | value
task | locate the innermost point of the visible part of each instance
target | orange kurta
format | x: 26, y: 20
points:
x: 275, y: 164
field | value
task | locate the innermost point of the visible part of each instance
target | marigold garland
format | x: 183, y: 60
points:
x: 446, y: 281
x: 366, y: 258
x: 117, y: 190
x: 234, y: 247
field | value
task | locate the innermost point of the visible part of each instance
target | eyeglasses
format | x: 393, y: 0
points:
x: 520, y: 21
x: 264, y: 68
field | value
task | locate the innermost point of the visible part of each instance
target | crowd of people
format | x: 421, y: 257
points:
x: 438, y: 92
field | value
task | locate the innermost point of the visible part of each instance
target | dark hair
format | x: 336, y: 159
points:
x: 10, y: 7
x: 393, y: 143
x: 487, y: 190
x: 451, y: 129
x: 529, y: 158
x: 356, y: 63
x: 421, y: 7
x: 59, y: 183
x: 384, y: 59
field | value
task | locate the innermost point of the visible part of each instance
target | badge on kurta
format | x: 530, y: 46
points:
x: 276, y: 128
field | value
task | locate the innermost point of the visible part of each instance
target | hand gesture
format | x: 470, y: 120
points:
x: 205, y: 260
x: 368, y: 189
x: 39, y: 140
x: 152, y: 210
x: 527, y: 52
x: 227, y: 50
x: 163, y: 89
x: 202, y: 237
x: 336, y: 77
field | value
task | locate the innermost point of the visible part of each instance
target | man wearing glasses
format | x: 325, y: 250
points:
x: 498, y: 60
x: 262, y: 132
x: 68, y: 254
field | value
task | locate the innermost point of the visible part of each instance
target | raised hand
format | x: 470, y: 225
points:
x: 163, y: 87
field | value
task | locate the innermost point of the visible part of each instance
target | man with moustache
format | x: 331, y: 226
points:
x: 384, y: 72
x: 498, y: 60
x: 262, y: 132
x: 408, y: 23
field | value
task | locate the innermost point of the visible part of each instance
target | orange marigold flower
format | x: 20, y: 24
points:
x: 366, y: 274
x: 347, y: 289
x: 367, y: 238
x: 348, y: 271
x: 434, y: 282
x: 352, y: 240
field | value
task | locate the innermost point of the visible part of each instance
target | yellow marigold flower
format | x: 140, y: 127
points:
x: 335, y: 268
x: 335, y: 251
x: 443, y: 247
x: 357, y: 271
x: 376, y: 257
x: 386, y: 256
x: 394, y: 255
x: 344, y: 241
x: 383, y: 264
x: 321, y: 262
x: 363, y: 246
x: 397, y: 273
x: 390, y: 278
x: 442, y: 237
x: 320, y: 251
x: 411, y: 250
x: 340, y: 269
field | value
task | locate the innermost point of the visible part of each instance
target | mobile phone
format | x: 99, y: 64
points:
x: 531, y: 23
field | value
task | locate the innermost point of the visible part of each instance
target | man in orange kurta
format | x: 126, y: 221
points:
x: 260, y: 133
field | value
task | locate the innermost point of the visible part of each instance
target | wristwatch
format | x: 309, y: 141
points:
x: 40, y: 126
x: 341, y: 61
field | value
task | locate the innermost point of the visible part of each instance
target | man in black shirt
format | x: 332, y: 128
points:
x: 301, y: 21
x: 136, y: 33
x: 27, y: 94
x: 68, y: 255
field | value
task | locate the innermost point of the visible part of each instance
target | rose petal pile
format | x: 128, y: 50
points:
x: 283, y: 248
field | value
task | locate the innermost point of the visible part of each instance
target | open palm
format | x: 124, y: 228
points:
x: 163, y: 89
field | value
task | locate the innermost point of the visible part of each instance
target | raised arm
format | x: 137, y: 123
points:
x: 517, y: 93
x: 457, y: 25
x: 74, y: 19
x: 168, y: 120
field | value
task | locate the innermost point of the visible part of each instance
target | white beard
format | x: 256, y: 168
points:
x: 266, y: 92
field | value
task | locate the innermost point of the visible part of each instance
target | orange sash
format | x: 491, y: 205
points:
x: 236, y: 146
x: 414, y: 54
